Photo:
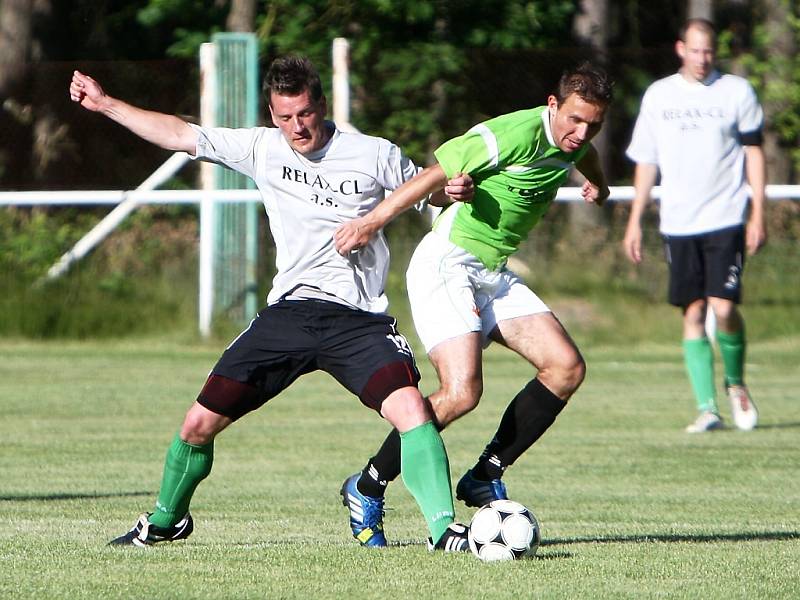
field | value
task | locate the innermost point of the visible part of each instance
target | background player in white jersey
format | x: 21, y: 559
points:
x: 462, y: 295
x: 702, y: 130
x: 324, y: 310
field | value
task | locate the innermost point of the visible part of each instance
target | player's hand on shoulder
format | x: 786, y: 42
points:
x: 86, y: 91
x: 460, y: 188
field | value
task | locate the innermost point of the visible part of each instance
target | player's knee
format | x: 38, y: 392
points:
x: 725, y: 313
x: 577, y: 373
x: 200, y: 426
x: 457, y: 399
x: 565, y: 377
x: 405, y: 408
x: 694, y: 314
x: 196, y: 432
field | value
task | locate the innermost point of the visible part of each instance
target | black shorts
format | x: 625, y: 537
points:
x: 705, y: 265
x: 362, y: 350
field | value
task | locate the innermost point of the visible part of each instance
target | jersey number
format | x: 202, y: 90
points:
x: 401, y: 343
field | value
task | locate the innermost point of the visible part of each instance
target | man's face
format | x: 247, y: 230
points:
x: 301, y: 120
x: 575, y: 121
x: 697, y: 54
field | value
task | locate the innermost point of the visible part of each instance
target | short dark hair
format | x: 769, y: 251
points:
x: 704, y: 25
x: 291, y: 76
x: 590, y: 82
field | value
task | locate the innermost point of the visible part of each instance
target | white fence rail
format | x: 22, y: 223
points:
x: 109, y: 197
x: 126, y: 201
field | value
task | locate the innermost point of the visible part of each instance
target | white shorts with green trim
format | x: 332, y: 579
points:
x: 452, y: 293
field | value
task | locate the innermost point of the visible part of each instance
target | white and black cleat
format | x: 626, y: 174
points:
x: 454, y: 539
x: 144, y: 533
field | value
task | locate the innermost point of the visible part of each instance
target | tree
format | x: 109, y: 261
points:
x: 242, y: 16
x: 766, y: 53
x: 700, y: 9
x: 15, y: 42
x: 591, y: 30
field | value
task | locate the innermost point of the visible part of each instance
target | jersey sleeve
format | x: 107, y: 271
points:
x: 643, y: 147
x: 232, y: 148
x: 394, y: 167
x: 474, y: 152
x: 751, y: 116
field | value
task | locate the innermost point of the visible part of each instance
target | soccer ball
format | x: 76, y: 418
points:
x: 503, y: 530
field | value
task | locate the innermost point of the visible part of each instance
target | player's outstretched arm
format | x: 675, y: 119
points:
x: 356, y: 233
x: 167, y: 131
x: 644, y: 179
x: 595, y: 189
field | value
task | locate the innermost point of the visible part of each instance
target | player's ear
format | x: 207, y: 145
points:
x: 552, y: 105
x: 272, y: 115
x: 680, y: 49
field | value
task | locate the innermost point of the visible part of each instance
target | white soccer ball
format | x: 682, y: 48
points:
x: 503, y: 530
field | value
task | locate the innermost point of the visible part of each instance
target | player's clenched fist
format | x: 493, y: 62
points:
x: 86, y: 90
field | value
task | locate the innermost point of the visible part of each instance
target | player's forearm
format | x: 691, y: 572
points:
x: 440, y: 199
x: 644, y: 179
x: 426, y: 182
x: 590, y: 167
x: 167, y: 131
x: 756, y: 172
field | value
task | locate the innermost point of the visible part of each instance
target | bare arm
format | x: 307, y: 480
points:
x: 595, y: 189
x: 756, y: 171
x: 356, y: 233
x: 166, y: 131
x: 644, y: 178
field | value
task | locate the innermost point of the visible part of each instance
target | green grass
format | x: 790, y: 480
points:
x: 630, y: 506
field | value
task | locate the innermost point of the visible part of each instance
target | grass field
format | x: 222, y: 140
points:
x: 630, y: 506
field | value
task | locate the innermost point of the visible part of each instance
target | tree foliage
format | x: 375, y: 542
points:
x: 410, y: 60
x: 773, y: 66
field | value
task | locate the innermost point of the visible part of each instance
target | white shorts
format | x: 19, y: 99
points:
x: 452, y: 293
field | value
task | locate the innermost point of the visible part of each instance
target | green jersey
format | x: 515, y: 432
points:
x: 517, y: 169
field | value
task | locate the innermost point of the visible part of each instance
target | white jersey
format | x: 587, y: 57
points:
x: 307, y: 198
x: 692, y: 131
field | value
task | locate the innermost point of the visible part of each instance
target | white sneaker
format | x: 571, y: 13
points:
x: 707, y: 421
x: 745, y: 413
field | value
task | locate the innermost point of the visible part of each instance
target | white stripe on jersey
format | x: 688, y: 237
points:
x: 546, y: 162
x: 490, y: 141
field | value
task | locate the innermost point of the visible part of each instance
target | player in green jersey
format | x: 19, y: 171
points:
x: 463, y: 295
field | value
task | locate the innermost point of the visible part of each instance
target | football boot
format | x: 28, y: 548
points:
x: 144, y: 533
x: 366, y: 514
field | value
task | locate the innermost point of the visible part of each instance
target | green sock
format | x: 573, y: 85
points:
x: 732, y: 348
x: 426, y: 474
x: 699, y: 359
x: 185, y: 467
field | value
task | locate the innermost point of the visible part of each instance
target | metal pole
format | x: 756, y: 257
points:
x: 341, y: 84
x: 99, y: 232
x: 208, y: 80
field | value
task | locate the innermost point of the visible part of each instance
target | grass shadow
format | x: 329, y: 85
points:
x: 779, y: 426
x: 669, y: 537
x: 59, y: 497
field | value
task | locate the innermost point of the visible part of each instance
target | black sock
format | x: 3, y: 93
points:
x: 526, y: 418
x: 381, y: 468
